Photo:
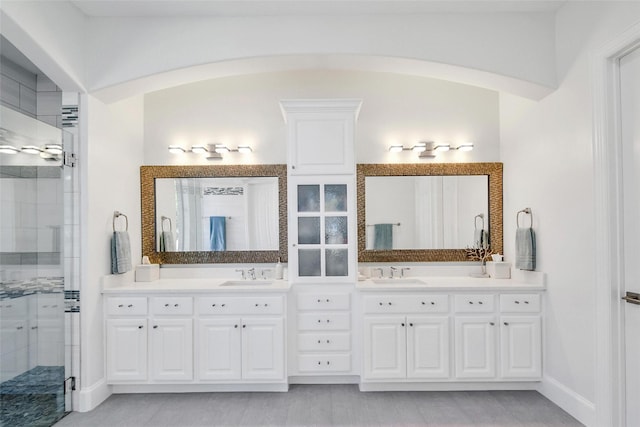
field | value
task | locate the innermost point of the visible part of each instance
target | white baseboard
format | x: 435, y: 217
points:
x: 324, y: 379
x: 446, y: 386
x: 199, y: 388
x: 90, y: 397
x: 576, y: 405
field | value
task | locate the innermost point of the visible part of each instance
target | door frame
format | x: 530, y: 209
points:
x: 607, y: 147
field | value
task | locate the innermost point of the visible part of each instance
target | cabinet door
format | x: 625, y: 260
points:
x: 324, y: 229
x: 219, y: 349
x: 520, y: 347
x: 428, y: 347
x: 171, y: 342
x: 475, y: 346
x: 385, y: 344
x: 263, y: 348
x: 126, y: 349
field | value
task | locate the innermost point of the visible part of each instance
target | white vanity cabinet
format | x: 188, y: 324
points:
x: 321, y: 338
x: 406, y: 337
x: 458, y: 337
x: 241, y: 338
x: 200, y: 339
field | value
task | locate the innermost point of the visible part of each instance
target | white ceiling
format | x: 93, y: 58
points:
x: 163, y: 8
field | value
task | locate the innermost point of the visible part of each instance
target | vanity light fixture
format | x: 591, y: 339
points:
x: 396, y: 148
x: 244, y: 149
x: 428, y: 149
x: 8, y: 149
x: 53, y: 148
x: 199, y: 149
x: 175, y: 149
x: 442, y: 147
x: 31, y: 149
x: 467, y: 146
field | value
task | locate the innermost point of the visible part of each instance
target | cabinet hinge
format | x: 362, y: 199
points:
x: 69, y: 159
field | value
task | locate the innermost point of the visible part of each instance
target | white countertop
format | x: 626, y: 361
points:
x: 453, y: 283
x: 193, y: 286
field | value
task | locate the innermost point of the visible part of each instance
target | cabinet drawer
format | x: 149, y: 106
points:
x: 323, y: 301
x: 474, y: 303
x: 13, y: 308
x: 126, y: 306
x: 324, y: 321
x: 50, y: 306
x: 240, y: 305
x: 324, y: 342
x: 420, y: 303
x: 324, y: 363
x: 172, y: 306
x: 520, y: 303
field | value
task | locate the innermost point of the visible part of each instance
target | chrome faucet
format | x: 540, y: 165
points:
x: 243, y: 273
x: 252, y: 273
x: 380, y: 269
x: 392, y: 272
x: 402, y: 270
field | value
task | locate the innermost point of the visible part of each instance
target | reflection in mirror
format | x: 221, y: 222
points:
x: 462, y: 199
x: 426, y: 212
x: 190, y: 226
x: 217, y: 214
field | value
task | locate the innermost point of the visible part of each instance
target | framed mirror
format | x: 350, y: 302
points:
x: 428, y: 212
x: 214, y: 214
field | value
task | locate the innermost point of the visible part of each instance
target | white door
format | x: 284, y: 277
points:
x: 475, y: 347
x: 219, y: 349
x: 171, y: 343
x: 520, y: 352
x: 126, y: 349
x: 428, y: 347
x: 630, y: 122
x: 385, y: 347
x: 263, y: 348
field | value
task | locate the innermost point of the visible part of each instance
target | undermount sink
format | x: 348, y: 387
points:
x: 247, y: 283
x: 404, y: 281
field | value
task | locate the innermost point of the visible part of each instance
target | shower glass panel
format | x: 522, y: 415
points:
x: 33, y: 351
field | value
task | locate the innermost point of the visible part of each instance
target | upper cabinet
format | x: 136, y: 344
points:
x: 320, y: 135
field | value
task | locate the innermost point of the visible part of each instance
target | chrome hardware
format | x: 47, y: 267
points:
x: 20, y: 327
x: 222, y: 305
x: 130, y: 305
x: 327, y: 299
x: 34, y: 327
x: 319, y: 341
x: 491, y: 323
x: 402, y: 270
x: 411, y: 324
x: 166, y: 305
x: 480, y: 302
x: 252, y: 273
x: 120, y: 305
x: 176, y: 305
x: 526, y: 302
x: 328, y: 341
x: 470, y: 302
x: 155, y: 326
x: 140, y: 327
x: 424, y: 303
x: 235, y: 326
x: 213, y: 305
x: 244, y: 326
x: 632, y: 298
x: 380, y: 303
x: 380, y: 269
x: 517, y: 302
x: 319, y: 320
x: 328, y: 320
x: 392, y: 271
x: 506, y: 323
x: 389, y: 303
x: 319, y: 300
x: 402, y: 325
x: 242, y: 272
x: 266, y: 305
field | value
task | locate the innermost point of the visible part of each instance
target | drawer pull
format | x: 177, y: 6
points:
x: 319, y: 321
x: 411, y: 324
x: 328, y: 363
x: 140, y: 327
x: 257, y: 305
x: 328, y: 341
x: 491, y: 323
x: 213, y: 305
x: 34, y: 327
x: 120, y: 305
x: 266, y: 305
x: 506, y: 323
x: 155, y: 326
x: 176, y: 305
x: 389, y: 303
x: 480, y: 302
x: 166, y: 305
x: 222, y: 305
x: 526, y: 302
x: 402, y: 325
x: 20, y: 327
x: 319, y: 341
x: 54, y: 306
x: 235, y: 326
x: 319, y: 362
x: 470, y: 302
x: 319, y: 300
x: 380, y: 303
x: 244, y: 326
x: 327, y: 299
x: 130, y: 305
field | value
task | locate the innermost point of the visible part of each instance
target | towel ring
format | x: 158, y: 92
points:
x: 526, y: 211
x: 163, y: 219
x: 475, y: 221
x: 116, y: 214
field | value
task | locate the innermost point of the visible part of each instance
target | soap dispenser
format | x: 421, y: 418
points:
x: 278, y: 269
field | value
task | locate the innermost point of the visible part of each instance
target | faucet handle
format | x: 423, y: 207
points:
x: 242, y: 272
x: 402, y: 270
x: 380, y: 269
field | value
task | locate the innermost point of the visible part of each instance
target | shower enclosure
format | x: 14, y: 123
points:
x: 37, y: 259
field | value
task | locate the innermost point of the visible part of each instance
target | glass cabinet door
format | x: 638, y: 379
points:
x: 323, y: 230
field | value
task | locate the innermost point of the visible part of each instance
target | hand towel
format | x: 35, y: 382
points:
x: 120, y: 252
x: 525, y: 249
x: 383, y: 236
x: 167, y: 242
x: 217, y: 233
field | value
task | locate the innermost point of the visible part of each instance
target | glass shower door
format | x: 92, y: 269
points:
x: 33, y: 351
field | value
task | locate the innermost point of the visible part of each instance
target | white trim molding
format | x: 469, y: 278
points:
x: 90, y: 397
x: 609, y: 373
x: 578, y: 406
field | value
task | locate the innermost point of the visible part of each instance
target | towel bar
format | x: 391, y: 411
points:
x: 116, y: 214
x: 475, y: 221
x: 397, y: 224
x: 524, y: 211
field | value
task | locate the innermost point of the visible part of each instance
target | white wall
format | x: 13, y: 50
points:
x: 395, y: 109
x: 110, y: 158
x: 548, y: 166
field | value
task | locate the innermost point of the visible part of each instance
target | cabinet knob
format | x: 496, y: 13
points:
x: 176, y: 305
x: 480, y: 302
x: 517, y: 302
x: 319, y: 341
x: 319, y: 300
x: 328, y: 363
x: 213, y: 305
x: 319, y: 321
x: 34, y: 327
x: 140, y: 327
x: 222, y: 305
x: 130, y: 305
x: 424, y: 303
x: 120, y: 305
x: 319, y: 362
x: 266, y: 305
x: 389, y: 303
x: 166, y: 305
x: 20, y: 327
x: 244, y: 326
x: 327, y: 299
x: 328, y: 320
x: 526, y: 302
x: 257, y: 305
x: 506, y: 323
x: 380, y: 303
x: 471, y: 302
x: 411, y: 324
x: 491, y: 323
x: 235, y: 326
x: 155, y: 326
x: 402, y: 325
x: 328, y: 341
